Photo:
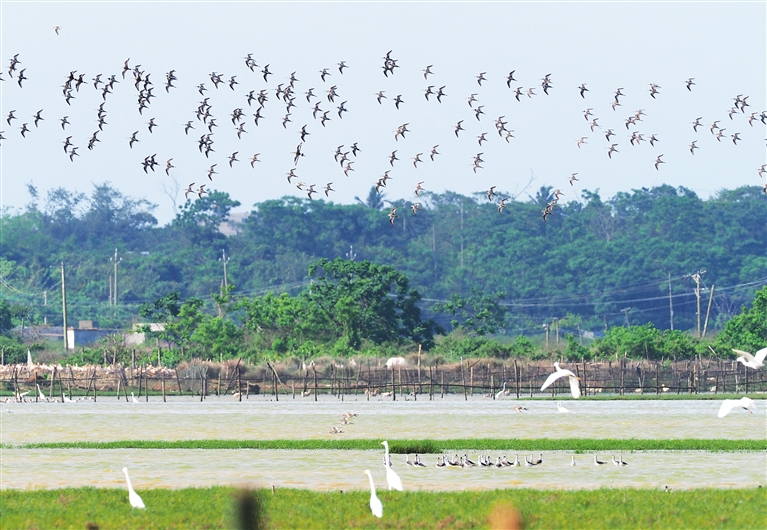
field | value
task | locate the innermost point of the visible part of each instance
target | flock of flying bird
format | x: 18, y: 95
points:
x: 287, y: 94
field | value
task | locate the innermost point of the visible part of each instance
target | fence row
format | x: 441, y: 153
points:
x: 469, y: 378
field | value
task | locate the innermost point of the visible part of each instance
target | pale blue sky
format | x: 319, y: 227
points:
x: 603, y: 44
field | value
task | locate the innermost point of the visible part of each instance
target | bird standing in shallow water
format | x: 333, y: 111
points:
x: 392, y: 479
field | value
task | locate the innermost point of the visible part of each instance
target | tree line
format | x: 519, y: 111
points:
x: 593, y: 265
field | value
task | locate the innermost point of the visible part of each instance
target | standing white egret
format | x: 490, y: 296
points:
x: 375, y: 503
x: 561, y: 408
x: 752, y: 361
x: 499, y: 395
x: 133, y: 398
x: 133, y: 497
x: 392, y: 479
x: 572, y: 460
x: 575, y: 387
x: 729, y: 404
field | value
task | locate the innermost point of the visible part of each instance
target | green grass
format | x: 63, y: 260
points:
x: 211, y: 508
x: 424, y: 446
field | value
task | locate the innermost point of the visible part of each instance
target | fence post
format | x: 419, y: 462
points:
x: 314, y: 370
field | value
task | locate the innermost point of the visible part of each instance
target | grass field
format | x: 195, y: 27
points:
x: 212, y: 508
x: 425, y: 446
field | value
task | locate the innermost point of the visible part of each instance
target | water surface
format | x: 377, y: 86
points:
x: 303, y: 418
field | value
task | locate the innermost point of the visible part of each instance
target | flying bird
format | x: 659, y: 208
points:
x: 745, y: 403
x: 751, y: 361
x: 575, y: 388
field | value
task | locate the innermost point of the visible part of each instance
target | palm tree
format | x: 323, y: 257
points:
x: 374, y: 199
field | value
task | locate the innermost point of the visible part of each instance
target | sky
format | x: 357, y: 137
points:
x: 606, y: 45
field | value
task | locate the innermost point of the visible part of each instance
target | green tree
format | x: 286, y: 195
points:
x: 748, y: 330
x: 363, y: 300
x: 481, y: 313
x: 6, y: 315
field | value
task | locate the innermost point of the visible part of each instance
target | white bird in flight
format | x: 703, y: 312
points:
x: 133, y: 497
x: 752, y: 361
x: 392, y: 479
x: 375, y: 503
x: 575, y: 387
x: 729, y: 404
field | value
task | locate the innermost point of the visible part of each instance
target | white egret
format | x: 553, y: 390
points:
x: 575, y: 387
x: 729, y: 404
x: 392, y: 479
x: 561, y: 408
x: 133, y: 398
x: 42, y: 396
x: 375, y: 503
x: 572, y: 460
x: 499, y: 395
x: 751, y: 361
x: 67, y: 399
x: 133, y: 497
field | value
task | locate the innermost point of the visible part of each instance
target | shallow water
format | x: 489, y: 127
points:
x: 343, y: 470
x: 261, y: 418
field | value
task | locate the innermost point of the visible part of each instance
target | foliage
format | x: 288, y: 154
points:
x: 426, y: 446
x: 217, y: 507
x: 5, y: 317
x: 363, y: 300
x: 481, y: 313
x: 748, y: 330
x: 13, y: 350
x: 585, y: 262
x: 647, y: 342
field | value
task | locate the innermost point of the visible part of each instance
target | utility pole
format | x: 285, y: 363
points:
x: 64, y: 305
x: 546, y: 327
x: 45, y: 304
x: 434, y: 246
x: 224, y: 259
x: 114, y: 290
x: 708, y: 311
x: 556, y: 329
x: 625, y: 311
x: 696, y: 278
x: 670, y: 303
x: 461, y: 235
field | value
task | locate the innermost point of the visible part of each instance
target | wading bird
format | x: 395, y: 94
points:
x: 133, y: 497
x: 375, y: 503
x: 392, y: 479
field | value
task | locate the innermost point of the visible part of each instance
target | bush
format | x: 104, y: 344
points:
x: 14, y: 351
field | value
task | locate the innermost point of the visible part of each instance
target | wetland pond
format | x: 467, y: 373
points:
x: 303, y: 418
